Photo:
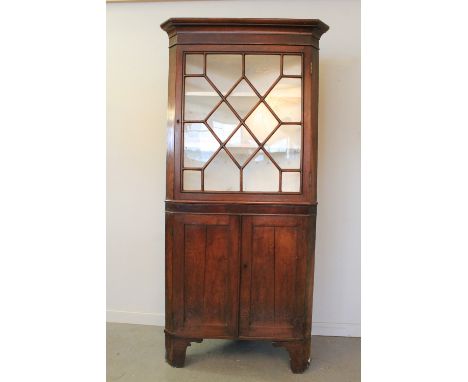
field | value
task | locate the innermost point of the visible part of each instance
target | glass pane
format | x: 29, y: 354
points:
x: 291, y: 182
x: 286, y: 100
x: 199, y: 144
x: 223, y: 121
x: 262, y: 70
x: 194, y: 64
x: 285, y: 146
x: 261, y: 122
x: 241, y: 145
x: 222, y: 174
x: 260, y: 174
x: 292, y: 65
x: 224, y: 70
x: 192, y: 180
x: 243, y: 98
x: 206, y: 124
x: 200, y: 99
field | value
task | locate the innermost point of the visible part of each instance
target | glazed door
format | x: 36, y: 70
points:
x: 243, y: 128
x: 205, y: 275
x: 274, y: 269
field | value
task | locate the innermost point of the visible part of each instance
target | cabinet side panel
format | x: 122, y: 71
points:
x: 168, y: 273
x: 302, y: 281
x: 311, y: 228
x: 314, y: 59
x: 171, y: 101
x: 310, y: 123
x: 177, y: 274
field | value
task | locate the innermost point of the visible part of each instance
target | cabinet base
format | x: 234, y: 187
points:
x: 299, y: 351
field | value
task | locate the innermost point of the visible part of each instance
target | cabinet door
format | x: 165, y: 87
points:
x: 205, y: 275
x: 244, y: 124
x: 274, y: 269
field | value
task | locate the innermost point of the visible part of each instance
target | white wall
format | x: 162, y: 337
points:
x: 137, y: 67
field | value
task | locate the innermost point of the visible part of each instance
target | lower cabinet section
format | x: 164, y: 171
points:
x: 239, y: 276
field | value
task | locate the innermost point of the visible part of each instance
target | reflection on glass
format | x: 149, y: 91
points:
x: 222, y: 174
x: 200, y: 98
x: 223, y: 121
x: 286, y: 100
x: 291, y: 182
x: 241, y: 145
x: 285, y: 146
x: 292, y: 65
x: 224, y: 70
x: 199, y: 145
x: 262, y: 70
x: 202, y: 103
x: 243, y: 98
x: 194, y: 64
x: 192, y: 180
x: 261, y: 122
x: 261, y: 174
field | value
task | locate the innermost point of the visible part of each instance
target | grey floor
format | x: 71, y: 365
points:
x: 136, y: 353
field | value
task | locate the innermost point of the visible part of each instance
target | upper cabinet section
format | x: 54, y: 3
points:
x: 244, y: 31
x: 242, y: 122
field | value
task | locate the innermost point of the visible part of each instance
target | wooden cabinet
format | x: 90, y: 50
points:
x: 241, y: 182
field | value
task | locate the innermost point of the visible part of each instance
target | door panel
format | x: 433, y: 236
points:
x: 206, y: 274
x: 274, y: 268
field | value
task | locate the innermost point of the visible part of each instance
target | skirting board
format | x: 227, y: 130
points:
x: 318, y: 328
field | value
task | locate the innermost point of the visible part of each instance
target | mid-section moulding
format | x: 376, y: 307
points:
x: 241, y: 208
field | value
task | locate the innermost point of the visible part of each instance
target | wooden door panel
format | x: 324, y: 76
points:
x: 273, y: 288
x: 206, y: 275
x: 286, y: 260
x: 262, y: 285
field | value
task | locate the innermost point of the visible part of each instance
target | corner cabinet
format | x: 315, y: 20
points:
x: 241, y: 182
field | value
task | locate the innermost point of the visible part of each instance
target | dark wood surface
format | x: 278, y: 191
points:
x: 176, y: 348
x: 241, y: 265
x: 170, y: 25
x: 274, y: 268
x: 299, y: 353
x: 225, y: 31
x: 205, y: 275
x: 171, y: 121
x: 240, y: 208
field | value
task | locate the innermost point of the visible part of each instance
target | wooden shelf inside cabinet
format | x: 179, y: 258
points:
x: 241, y: 182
